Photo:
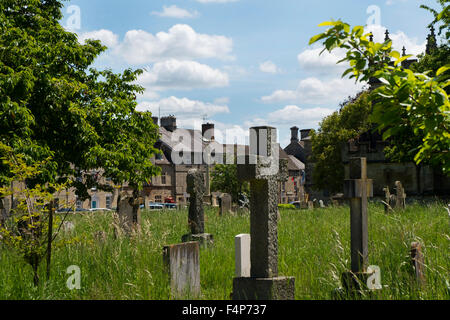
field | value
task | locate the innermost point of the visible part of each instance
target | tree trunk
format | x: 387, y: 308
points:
x: 50, y: 236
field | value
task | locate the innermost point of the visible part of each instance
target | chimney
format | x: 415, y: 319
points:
x: 155, y: 120
x: 208, y: 131
x: 305, y: 133
x: 169, y: 123
x: 294, y: 134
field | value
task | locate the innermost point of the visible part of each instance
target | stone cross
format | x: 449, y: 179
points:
x: 196, y: 189
x: 401, y: 196
x: 182, y: 262
x: 357, y: 189
x: 264, y: 170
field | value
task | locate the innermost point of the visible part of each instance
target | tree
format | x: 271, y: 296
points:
x: 53, y: 105
x: 30, y: 227
x: 224, y: 179
x: 335, y: 130
x: 405, y: 100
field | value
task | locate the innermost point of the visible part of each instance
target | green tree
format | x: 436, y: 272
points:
x: 53, y: 105
x: 405, y: 100
x: 31, y: 227
x: 335, y: 130
x: 224, y: 179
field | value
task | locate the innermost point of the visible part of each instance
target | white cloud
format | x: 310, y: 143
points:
x: 325, y: 63
x: 183, y: 108
x: 180, y: 42
x: 107, y: 37
x: 222, y: 100
x: 176, y: 12
x: 175, y: 74
x: 269, y: 67
x: 315, y: 91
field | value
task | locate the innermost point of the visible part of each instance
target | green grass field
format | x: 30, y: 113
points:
x: 314, y: 247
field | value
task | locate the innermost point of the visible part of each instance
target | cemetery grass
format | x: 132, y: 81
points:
x: 314, y: 247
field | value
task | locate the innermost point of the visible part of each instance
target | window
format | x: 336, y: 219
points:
x: 163, y: 179
x: 158, y: 198
x: 108, y: 202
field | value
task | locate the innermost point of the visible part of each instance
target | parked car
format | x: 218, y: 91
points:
x: 170, y: 205
x: 99, y: 209
x: 155, y: 206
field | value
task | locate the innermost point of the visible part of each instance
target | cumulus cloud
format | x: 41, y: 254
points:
x: 107, y: 37
x: 269, y: 67
x: 311, y: 60
x: 180, y: 42
x: 315, y: 91
x: 176, y: 74
x: 175, y: 12
x: 183, y: 108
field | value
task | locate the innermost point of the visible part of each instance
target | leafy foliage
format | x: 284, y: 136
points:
x: 405, y: 100
x: 224, y: 179
x: 53, y: 105
x: 334, y: 130
x: 27, y: 229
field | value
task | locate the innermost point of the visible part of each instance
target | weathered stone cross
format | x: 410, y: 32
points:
x: 357, y: 189
x: 264, y: 170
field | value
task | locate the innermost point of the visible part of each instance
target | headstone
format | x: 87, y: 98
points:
x: 182, y: 262
x: 310, y: 205
x: 401, y: 196
x: 196, y: 189
x: 387, y: 199
x: 322, y: 205
x: 357, y: 189
x: 225, y: 204
x: 242, y: 255
x: 129, y: 214
x: 418, y: 262
x: 264, y: 170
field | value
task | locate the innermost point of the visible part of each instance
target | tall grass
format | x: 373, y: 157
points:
x: 314, y: 247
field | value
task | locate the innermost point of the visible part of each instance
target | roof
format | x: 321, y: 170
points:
x: 294, y: 164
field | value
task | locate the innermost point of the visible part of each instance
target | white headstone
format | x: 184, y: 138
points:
x: 242, y: 255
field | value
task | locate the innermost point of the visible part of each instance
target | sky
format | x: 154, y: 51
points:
x: 239, y: 63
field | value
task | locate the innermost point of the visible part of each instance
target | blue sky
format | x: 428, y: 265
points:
x: 238, y: 63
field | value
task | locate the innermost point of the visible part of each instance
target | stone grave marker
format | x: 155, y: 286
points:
x: 264, y: 170
x: 357, y: 189
x: 310, y: 205
x: 225, y: 204
x: 196, y: 219
x: 242, y: 255
x: 322, y: 205
x: 129, y: 214
x: 182, y: 262
x: 400, y: 196
x: 418, y: 262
